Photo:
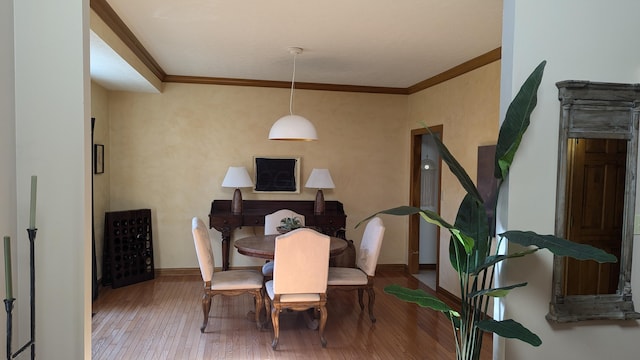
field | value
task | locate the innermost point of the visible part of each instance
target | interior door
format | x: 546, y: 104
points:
x: 596, y: 194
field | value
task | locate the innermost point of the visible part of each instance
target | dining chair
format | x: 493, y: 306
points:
x: 271, y: 223
x: 299, y: 277
x: 230, y: 282
x: 361, y: 277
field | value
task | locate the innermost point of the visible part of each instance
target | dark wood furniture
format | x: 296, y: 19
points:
x: 263, y: 246
x: 253, y: 212
x: 128, y: 248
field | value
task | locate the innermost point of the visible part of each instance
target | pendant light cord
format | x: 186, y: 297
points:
x: 293, y: 81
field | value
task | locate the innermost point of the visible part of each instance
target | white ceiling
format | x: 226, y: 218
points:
x: 381, y: 43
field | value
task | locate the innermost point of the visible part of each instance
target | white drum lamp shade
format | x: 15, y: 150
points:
x: 237, y: 177
x: 320, y: 179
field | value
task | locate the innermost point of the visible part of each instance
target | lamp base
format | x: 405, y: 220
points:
x: 236, y: 203
x: 318, y: 205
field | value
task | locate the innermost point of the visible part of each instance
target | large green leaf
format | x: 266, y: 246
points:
x: 460, y: 250
x: 420, y: 297
x: 429, y: 216
x: 457, y: 169
x: 509, y: 329
x: 472, y: 221
x: 559, y: 246
x: 494, y: 259
x: 516, y: 122
x: 497, y: 292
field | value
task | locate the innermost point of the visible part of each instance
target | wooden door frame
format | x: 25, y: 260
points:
x: 414, y: 200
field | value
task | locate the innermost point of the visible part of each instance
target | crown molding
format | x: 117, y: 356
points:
x: 113, y: 21
x: 283, y: 84
x: 477, y: 62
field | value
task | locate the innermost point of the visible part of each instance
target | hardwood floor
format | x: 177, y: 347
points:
x: 161, y: 318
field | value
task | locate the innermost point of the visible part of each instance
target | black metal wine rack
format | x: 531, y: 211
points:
x: 128, y: 248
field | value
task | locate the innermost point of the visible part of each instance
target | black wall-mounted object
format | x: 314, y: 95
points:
x: 276, y: 174
x: 128, y: 248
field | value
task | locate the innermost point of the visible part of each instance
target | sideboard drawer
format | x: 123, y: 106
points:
x: 328, y: 220
x: 230, y: 222
x: 253, y: 220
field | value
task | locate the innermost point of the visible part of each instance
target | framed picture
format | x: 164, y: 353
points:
x: 98, y: 159
x: 277, y: 174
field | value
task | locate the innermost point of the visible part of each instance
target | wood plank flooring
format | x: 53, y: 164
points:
x: 161, y: 318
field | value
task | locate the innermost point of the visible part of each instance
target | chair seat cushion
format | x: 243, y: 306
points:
x: 267, y: 269
x: 236, y: 279
x: 290, y: 297
x: 346, y: 276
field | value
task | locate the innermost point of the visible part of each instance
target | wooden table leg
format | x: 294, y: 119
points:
x: 226, y: 240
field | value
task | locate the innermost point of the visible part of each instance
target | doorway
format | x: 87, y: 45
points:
x: 424, y: 243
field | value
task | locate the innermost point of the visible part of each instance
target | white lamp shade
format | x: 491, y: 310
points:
x: 320, y: 179
x: 293, y: 127
x: 237, y: 177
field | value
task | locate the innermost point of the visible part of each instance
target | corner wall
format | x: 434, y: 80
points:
x: 100, y: 111
x: 467, y: 107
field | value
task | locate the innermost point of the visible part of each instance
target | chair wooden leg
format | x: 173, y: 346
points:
x: 372, y: 300
x: 206, y: 307
x: 323, y: 322
x: 259, y: 302
x: 275, y: 321
x: 360, y: 291
x: 267, y: 308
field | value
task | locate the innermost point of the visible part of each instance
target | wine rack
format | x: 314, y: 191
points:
x: 128, y: 248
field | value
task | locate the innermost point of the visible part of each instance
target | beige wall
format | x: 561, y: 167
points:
x: 169, y: 152
x: 100, y: 111
x: 468, y: 109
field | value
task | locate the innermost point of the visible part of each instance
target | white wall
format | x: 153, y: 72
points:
x: 7, y: 139
x: 581, y: 40
x: 430, y: 185
x: 52, y: 141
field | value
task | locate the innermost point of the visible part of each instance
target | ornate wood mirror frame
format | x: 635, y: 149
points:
x: 592, y: 110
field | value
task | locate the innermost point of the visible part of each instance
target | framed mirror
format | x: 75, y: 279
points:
x: 596, y: 198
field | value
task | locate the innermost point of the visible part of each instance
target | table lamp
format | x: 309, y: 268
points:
x: 237, y: 177
x: 319, y: 179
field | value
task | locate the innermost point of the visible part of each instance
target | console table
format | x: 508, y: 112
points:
x: 253, y: 212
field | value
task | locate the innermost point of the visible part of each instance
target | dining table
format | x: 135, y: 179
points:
x: 263, y: 246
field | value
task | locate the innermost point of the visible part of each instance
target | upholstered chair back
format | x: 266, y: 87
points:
x: 301, y: 262
x: 272, y: 221
x: 203, y: 248
x: 370, y: 246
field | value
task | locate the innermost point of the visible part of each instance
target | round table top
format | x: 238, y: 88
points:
x: 263, y: 246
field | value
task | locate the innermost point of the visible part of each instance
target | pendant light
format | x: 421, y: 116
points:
x: 293, y: 127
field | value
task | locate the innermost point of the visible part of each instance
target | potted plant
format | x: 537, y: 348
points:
x: 289, y: 223
x: 471, y: 240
